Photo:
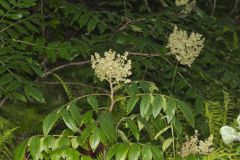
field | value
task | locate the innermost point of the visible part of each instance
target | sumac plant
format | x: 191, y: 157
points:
x: 132, y: 121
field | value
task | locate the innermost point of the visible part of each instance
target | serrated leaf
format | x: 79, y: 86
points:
x: 170, y: 109
x: 13, y: 86
x: 133, y: 127
x: 123, y: 136
x: 187, y: 112
x: 31, y: 26
x: 157, y: 105
x: 102, y: 136
x: 177, y: 125
x: 161, y: 132
x: 37, y: 69
x: 147, y: 86
x: 49, y: 122
x: 101, y: 27
x: 143, y: 122
x: 111, y: 151
x: 94, y: 141
x: 83, y: 141
x: 92, y: 100
x: 86, y: 118
x: 75, y: 113
x: 108, y: 127
x: 12, y: 2
x: 5, y: 79
x: 47, y: 142
x: 146, y: 152
x: 157, y: 153
x: 35, y: 147
x: 132, y: 101
x: 34, y: 93
x: 1, y: 12
x: 72, y: 154
x: 166, y: 144
x: 63, y: 142
x: 74, y: 142
x: 68, y: 120
x: 145, y: 104
x: 4, y: 4
x: 20, y: 151
x: 83, y: 19
x: 86, y: 158
x: 122, y: 150
x: 15, y: 16
x: 19, y: 96
x: 91, y: 25
x: 134, y: 152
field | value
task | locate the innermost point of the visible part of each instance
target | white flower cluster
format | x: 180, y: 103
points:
x: 185, y: 48
x: 229, y: 134
x: 181, y: 2
x: 195, y: 146
x: 114, y: 68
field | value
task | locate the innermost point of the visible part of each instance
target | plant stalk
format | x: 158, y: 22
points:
x: 111, y: 96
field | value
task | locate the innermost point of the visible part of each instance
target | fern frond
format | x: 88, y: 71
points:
x: 214, y: 114
x: 218, y: 114
x: 6, y: 138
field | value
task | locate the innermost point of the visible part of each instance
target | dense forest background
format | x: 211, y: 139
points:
x: 46, y: 47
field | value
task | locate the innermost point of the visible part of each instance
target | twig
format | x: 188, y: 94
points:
x: 213, y: 7
x: 147, y: 5
x: 174, y: 76
x: 145, y: 54
x: 125, y: 8
x: 111, y: 95
x: 124, y: 26
x: 235, y: 7
x: 73, y: 83
x: 66, y: 65
x: 11, y: 25
x: 3, y: 101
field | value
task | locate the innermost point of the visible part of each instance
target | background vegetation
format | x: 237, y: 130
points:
x: 45, y: 62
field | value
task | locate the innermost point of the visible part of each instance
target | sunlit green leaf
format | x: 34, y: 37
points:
x: 69, y: 120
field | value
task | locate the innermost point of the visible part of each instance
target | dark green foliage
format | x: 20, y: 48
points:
x: 41, y: 38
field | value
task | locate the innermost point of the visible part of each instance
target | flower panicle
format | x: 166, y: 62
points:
x: 195, y: 146
x: 185, y: 48
x: 113, y: 67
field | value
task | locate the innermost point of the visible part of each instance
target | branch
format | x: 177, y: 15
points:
x: 73, y: 83
x: 3, y: 101
x: 66, y: 65
x: 145, y: 54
